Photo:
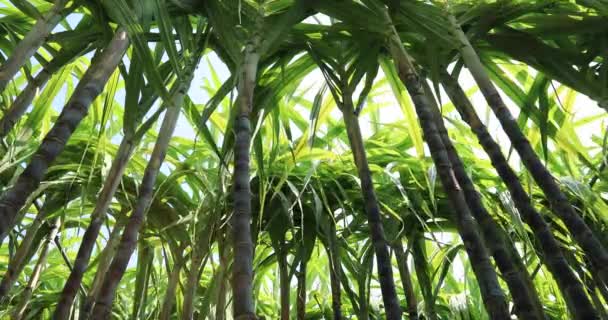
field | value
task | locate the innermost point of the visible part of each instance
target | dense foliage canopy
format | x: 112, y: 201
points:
x: 309, y: 159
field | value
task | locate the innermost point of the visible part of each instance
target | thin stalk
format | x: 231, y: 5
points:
x: 552, y: 255
x: 169, y: 299
x: 284, y: 282
x: 301, y: 297
x: 17, y: 262
x: 335, y: 271
x: 557, y: 199
x: 592, y: 290
x: 527, y: 305
x: 492, y: 294
x: 363, y: 283
x: 355, y: 299
x: 421, y: 266
x: 128, y: 242
x: 66, y: 260
x: 601, y: 287
x: 242, y: 268
x: 89, y: 87
x: 145, y: 261
x: 28, y: 46
x: 191, y: 286
x: 105, y: 259
x: 220, y: 306
x: 62, y: 311
x: 196, y: 266
x: 599, y: 173
x: 406, y: 280
x: 383, y: 258
x: 26, y: 295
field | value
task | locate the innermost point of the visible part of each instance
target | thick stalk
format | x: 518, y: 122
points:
x: 26, y: 295
x: 26, y: 48
x: 17, y: 262
x: 89, y: 87
x: 406, y: 280
x: 242, y: 268
x: 301, y: 303
x: 383, y: 258
x: 527, y: 305
x: 169, y: 299
x: 552, y: 255
x: 557, y: 199
x: 128, y: 242
x: 62, y: 311
x: 491, y: 291
x: 102, y: 267
x: 25, y: 98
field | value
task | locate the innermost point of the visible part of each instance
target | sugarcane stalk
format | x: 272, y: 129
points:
x: 552, y: 255
x: 26, y: 295
x: 242, y: 268
x: 128, y: 242
x: 544, y: 179
x: 492, y: 294
x: 89, y: 87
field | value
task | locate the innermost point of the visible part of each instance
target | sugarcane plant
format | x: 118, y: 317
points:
x: 292, y: 159
x: 342, y: 82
